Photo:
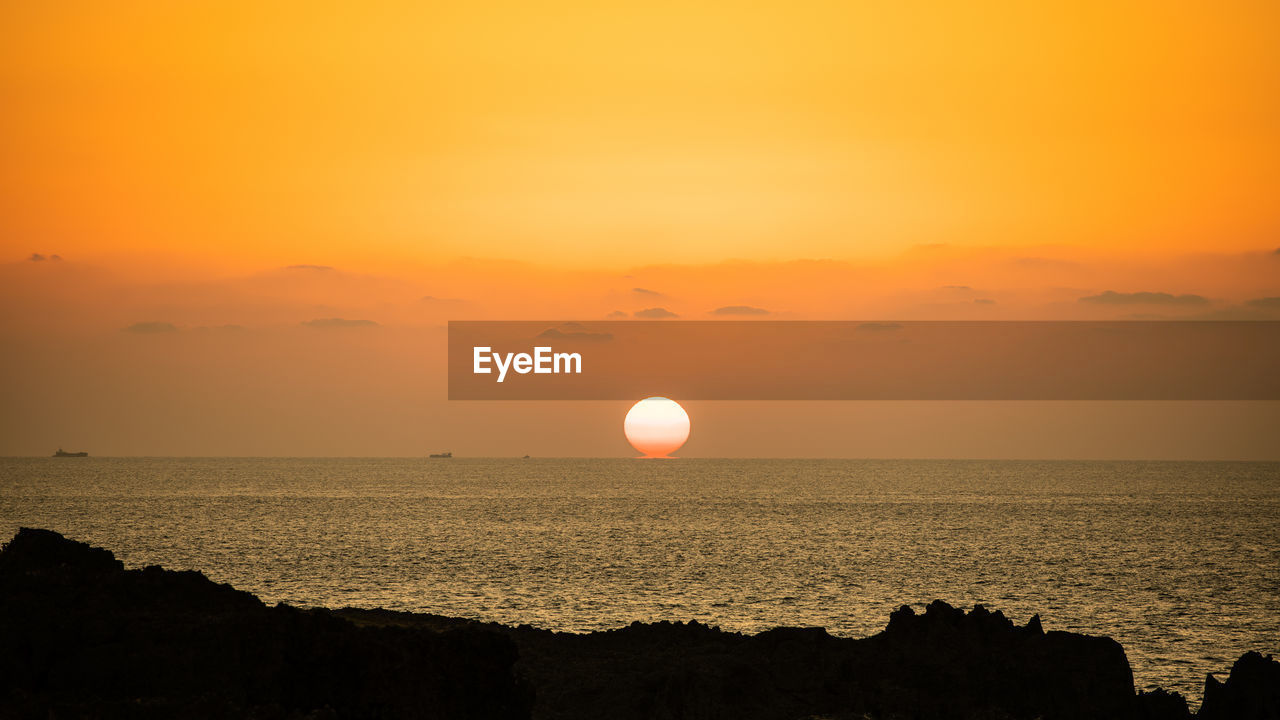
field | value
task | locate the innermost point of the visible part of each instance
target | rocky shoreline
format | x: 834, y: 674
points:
x: 82, y: 637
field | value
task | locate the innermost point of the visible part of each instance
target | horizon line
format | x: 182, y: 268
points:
x: 632, y: 457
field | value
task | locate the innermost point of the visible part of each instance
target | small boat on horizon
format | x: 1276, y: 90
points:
x: 64, y: 453
x: 441, y: 455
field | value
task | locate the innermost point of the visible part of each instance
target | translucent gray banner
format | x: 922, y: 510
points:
x: 877, y: 360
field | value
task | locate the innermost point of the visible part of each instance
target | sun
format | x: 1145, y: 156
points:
x: 656, y: 426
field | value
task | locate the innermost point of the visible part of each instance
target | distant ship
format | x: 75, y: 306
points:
x: 64, y: 453
x: 442, y: 455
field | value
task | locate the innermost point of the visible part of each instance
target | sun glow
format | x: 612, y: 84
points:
x: 656, y: 426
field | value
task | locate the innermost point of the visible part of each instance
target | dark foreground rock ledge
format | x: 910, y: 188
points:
x: 81, y: 637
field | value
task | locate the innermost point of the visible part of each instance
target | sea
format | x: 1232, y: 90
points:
x: 1178, y: 561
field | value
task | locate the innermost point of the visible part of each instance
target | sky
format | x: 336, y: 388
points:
x: 214, y: 178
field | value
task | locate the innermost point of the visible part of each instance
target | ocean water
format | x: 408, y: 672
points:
x: 1180, y: 562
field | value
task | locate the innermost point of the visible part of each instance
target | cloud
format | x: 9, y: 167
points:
x: 1266, y: 302
x: 325, y: 323
x: 617, y: 314
x: 956, y: 287
x: 1112, y: 297
x: 36, y: 257
x: 647, y: 292
x: 574, y: 331
x: 151, y: 328
x: 739, y: 310
x: 656, y: 313
x: 308, y: 267
x: 441, y: 301
x: 984, y: 301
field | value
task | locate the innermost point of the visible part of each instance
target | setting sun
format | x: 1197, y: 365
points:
x: 656, y: 426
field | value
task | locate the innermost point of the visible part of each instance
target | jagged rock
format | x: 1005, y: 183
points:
x: 948, y: 663
x: 1033, y: 625
x: 1161, y: 704
x: 1251, y: 692
x: 82, y: 637
x: 945, y: 663
x: 34, y: 551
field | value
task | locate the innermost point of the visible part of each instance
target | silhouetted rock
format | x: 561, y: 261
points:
x: 1251, y: 692
x: 82, y: 637
x: 944, y: 663
x: 1161, y: 704
x: 962, y: 664
x: 39, y: 551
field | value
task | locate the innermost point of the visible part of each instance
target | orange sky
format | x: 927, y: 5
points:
x: 561, y: 160
x: 583, y: 133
